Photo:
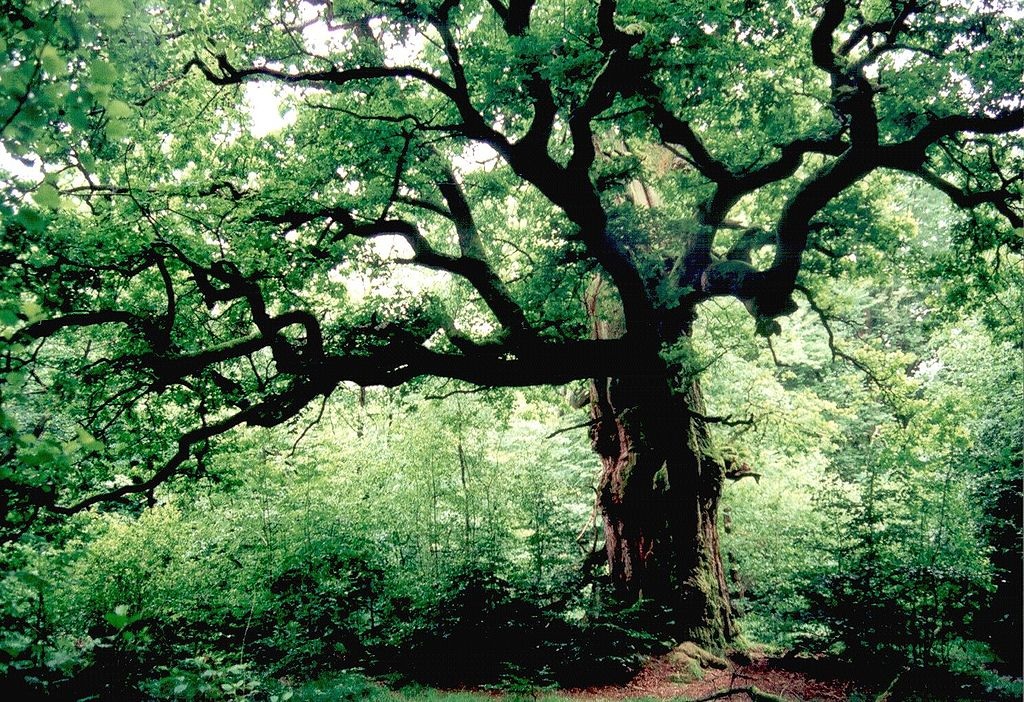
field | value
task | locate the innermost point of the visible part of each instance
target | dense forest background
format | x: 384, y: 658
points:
x: 298, y: 405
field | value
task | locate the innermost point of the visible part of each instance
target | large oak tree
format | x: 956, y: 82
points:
x: 575, y: 179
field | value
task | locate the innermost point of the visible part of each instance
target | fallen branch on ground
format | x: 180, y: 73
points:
x: 755, y: 694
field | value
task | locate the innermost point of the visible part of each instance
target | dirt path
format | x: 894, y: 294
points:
x: 666, y: 677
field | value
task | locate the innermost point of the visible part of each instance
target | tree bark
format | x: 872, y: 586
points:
x: 659, y: 496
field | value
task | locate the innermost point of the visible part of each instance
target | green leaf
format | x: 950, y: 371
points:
x: 87, y: 161
x: 31, y: 579
x: 36, y: 457
x: 15, y: 381
x: 102, y: 73
x: 116, y: 129
x: 15, y: 643
x: 119, y: 618
x: 52, y: 61
x: 59, y: 659
x: 32, y: 310
x: 77, y: 117
x: 116, y: 620
x: 117, y: 109
x: 89, y: 443
x: 46, y: 195
x: 110, y: 12
x: 8, y: 316
x: 33, y: 221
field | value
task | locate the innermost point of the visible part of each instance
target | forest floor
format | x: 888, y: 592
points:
x: 690, y: 674
x: 672, y: 676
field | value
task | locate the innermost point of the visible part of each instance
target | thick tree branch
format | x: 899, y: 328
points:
x: 545, y: 110
x: 473, y: 264
x: 500, y: 365
x: 822, y: 52
x: 270, y: 412
x: 424, y: 205
x: 172, y: 304
x: 230, y: 75
x: 790, y: 158
x: 852, y: 92
x: 172, y: 368
x: 616, y: 75
x: 470, y: 265
x: 49, y: 327
x: 676, y: 131
x: 968, y: 199
x: 474, y: 124
x: 771, y: 289
x: 517, y: 22
x: 911, y: 155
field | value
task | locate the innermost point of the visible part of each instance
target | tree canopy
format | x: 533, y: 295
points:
x: 170, y: 273
x: 746, y: 239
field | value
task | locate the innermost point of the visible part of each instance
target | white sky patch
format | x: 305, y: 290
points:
x: 398, y: 52
x: 321, y: 40
x: 18, y: 168
x: 475, y: 157
x: 392, y: 246
x: 929, y: 369
x: 263, y: 99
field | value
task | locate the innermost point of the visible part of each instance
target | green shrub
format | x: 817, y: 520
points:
x: 895, y: 614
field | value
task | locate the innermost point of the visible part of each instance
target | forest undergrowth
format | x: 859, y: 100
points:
x: 435, y: 553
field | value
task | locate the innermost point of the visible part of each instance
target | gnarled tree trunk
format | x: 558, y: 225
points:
x: 659, y: 493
